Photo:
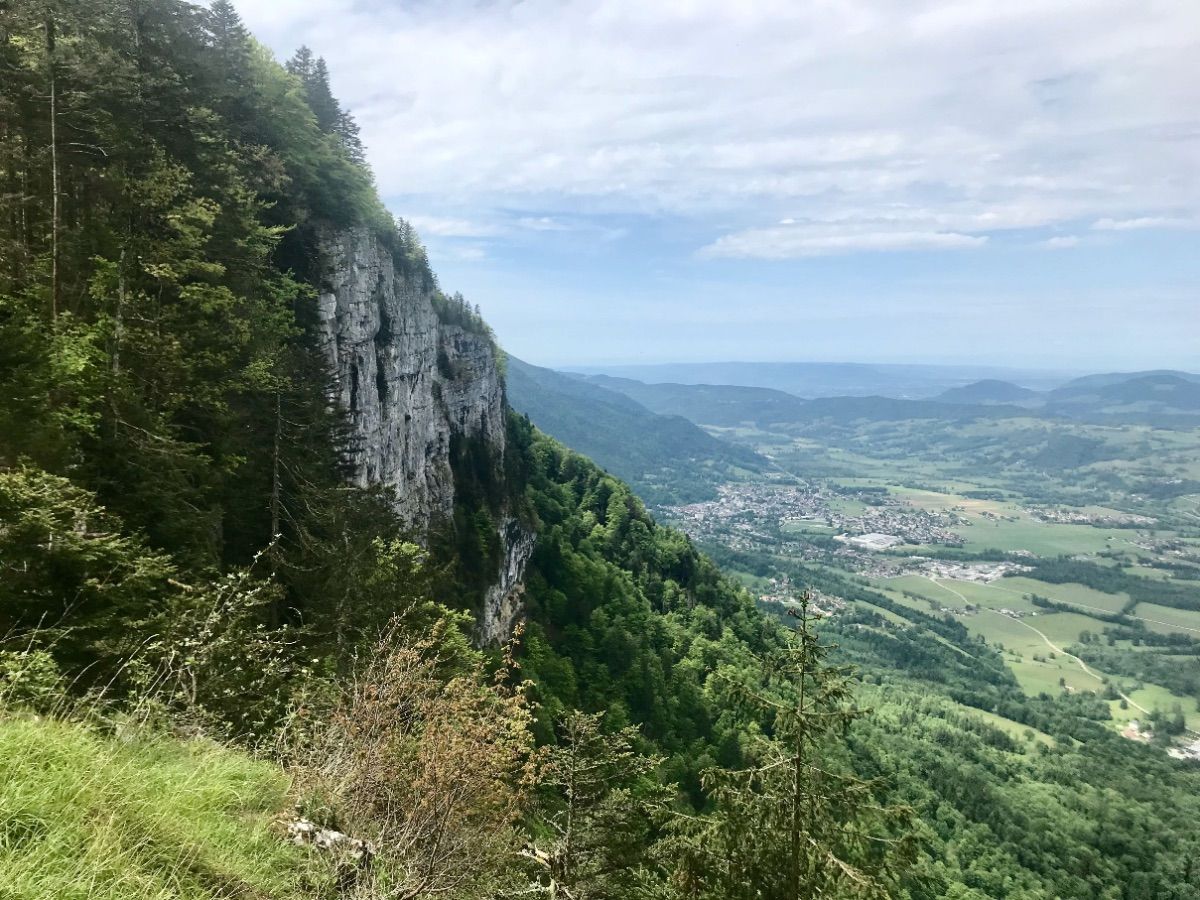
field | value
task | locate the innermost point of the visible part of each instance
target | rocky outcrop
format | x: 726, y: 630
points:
x: 406, y: 380
x: 502, y: 605
x: 408, y: 383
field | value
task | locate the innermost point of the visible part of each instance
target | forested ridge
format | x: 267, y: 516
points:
x: 212, y: 648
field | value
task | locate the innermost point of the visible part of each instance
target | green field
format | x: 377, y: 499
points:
x: 918, y: 584
x: 806, y: 528
x: 1074, y: 594
x: 1165, y: 619
x: 1044, y: 538
x: 1013, y: 729
x: 1037, y: 667
x: 1012, y: 468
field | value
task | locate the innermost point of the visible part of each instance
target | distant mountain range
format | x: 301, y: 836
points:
x: 713, y: 404
x: 830, y: 379
x: 652, y: 434
x: 1163, y: 398
x: 1127, y: 396
x: 667, y: 458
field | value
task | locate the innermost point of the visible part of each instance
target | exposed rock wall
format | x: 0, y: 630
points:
x: 408, y: 383
x: 502, y: 605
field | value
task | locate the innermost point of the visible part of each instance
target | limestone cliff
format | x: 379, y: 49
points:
x: 409, y: 382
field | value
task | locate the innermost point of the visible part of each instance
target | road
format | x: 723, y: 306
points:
x: 1049, y: 643
x: 1097, y: 609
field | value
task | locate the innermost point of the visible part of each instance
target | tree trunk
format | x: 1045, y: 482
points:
x: 54, y: 210
x: 798, y: 780
x: 276, y: 618
x: 119, y: 316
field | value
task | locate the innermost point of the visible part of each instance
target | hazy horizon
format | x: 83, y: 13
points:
x: 569, y: 366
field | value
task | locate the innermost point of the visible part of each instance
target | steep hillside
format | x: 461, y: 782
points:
x: 177, y: 311
x: 667, y: 459
x: 293, y: 604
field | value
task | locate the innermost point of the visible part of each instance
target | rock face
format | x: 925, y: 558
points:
x: 409, y: 383
x: 502, y: 604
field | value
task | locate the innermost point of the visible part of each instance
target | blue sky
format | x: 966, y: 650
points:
x: 1008, y: 182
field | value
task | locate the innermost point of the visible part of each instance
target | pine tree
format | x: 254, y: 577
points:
x: 229, y: 38
x: 313, y: 73
x: 301, y: 64
x: 795, y: 825
x: 347, y: 129
x: 320, y: 97
x: 600, y: 805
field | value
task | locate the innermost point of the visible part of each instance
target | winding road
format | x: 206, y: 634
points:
x: 1049, y: 643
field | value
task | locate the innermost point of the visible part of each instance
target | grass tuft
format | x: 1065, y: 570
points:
x: 84, y: 814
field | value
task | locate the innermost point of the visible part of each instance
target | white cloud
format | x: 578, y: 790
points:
x: 788, y: 242
x: 880, y: 124
x: 1061, y: 242
x: 438, y: 226
x: 461, y: 252
x: 1142, y: 222
x: 543, y: 223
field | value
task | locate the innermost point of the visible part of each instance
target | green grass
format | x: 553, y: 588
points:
x: 1165, y: 619
x: 1074, y: 594
x: 1153, y: 696
x: 1045, y: 538
x: 114, y: 818
x: 1015, y: 730
x: 749, y: 580
x: 989, y: 595
x: 1149, y: 572
x: 806, y: 528
x: 1021, y: 643
x: 887, y: 614
x: 1064, y: 628
x: 918, y: 584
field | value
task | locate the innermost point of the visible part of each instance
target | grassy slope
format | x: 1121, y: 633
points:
x: 108, y: 818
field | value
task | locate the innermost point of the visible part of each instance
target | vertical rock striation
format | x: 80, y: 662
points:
x: 409, y: 382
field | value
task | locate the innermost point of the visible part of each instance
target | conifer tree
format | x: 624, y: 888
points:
x: 320, y: 97
x: 230, y: 37
x: 301, y: 64
x: 313, y: 73
x: 600, y: 805
x: 794, y: 824
x: 347, y: 129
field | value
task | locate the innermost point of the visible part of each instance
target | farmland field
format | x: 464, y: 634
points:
x: 963, y: 529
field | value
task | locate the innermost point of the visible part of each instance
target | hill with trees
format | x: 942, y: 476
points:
x: 987, y: 391
x: 667, y: 459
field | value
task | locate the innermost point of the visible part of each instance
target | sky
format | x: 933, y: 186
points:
x: 1004, y: 182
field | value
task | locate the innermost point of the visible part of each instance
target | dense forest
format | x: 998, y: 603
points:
x: 204, y: 627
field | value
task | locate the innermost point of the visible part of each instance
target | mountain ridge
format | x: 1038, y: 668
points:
x: 666, y: 457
